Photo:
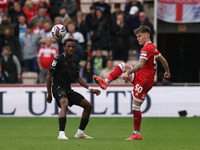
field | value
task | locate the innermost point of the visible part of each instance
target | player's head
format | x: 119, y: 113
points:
x: 143, y: 34
x: 69, y: 47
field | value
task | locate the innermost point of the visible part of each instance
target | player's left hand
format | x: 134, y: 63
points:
x: 125, y: 76
x: 96, y: 91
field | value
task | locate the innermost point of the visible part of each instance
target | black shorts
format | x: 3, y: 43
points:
x: 73, y: 97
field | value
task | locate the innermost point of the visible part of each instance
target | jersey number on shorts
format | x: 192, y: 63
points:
x: 138, y: 88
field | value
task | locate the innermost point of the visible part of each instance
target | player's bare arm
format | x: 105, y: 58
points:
x: 165, y: 65
x: 48, y: 84
x: 136, y: 68
x: 84, y: 84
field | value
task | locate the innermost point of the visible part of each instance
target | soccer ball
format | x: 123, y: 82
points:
x: 58, y: 31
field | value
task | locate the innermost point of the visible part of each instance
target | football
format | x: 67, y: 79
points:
x: 58, y: 31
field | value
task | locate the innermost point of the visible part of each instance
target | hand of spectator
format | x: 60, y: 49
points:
x: 49, y: 98
x: 42, y: 40
x: 96, y: 91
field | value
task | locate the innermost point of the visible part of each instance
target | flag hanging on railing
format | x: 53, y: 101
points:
x: 176, y: 11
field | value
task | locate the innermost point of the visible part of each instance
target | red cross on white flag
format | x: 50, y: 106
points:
x: 179, y: 10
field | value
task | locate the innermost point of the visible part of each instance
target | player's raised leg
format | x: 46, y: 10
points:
x: 137, y: 117
x: 62, y: 118
x: 87, y: 106
x: 121, y: 68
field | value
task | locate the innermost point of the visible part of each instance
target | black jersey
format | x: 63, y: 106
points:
x: 65, y: 71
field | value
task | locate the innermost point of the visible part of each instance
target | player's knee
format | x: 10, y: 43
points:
x: 64, y: 102
x: 89, y: 107
x: 135, y: 108
x: 122, y: 66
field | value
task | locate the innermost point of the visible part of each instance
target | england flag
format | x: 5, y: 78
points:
x: 176, y: 11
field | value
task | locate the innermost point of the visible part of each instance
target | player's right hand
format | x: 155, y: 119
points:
x: 167, y: 75
x: 49, y: 98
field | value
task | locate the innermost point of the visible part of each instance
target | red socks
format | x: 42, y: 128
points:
x: 114, y: 74
x: 137, y: 117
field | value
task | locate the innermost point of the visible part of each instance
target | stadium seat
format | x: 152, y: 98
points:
x: 29, y: 78
x: 104, y: 53
x: 132, y: 62
x: 116, y: 62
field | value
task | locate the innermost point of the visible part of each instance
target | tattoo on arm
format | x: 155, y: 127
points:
x: 138, y: 66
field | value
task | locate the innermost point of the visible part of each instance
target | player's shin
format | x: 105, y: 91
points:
x: 115, y: 73
x: 137, y: 117
x: 62, y: 123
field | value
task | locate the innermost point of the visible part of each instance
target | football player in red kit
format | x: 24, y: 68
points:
x: 141, y: 75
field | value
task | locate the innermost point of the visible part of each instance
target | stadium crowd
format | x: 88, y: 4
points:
x: 102, y: 37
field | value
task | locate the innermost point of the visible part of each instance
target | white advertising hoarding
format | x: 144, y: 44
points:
x: 115, y: 101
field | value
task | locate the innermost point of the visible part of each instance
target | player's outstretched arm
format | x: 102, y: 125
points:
x: 137, y: 67
x: 48, y: 84
x: 85, y: 85
x: 165, y: 65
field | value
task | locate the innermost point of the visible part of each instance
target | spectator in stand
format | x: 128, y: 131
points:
x: 87, y: 73
x: 145, y: 21
x: 120, y: 32
x: 64, y: 16
x: 45, y: 56
x: 71, y: 7
x: 79, y: 51
x: 39, y: 28
x: 98, y: 62
x: 16, y: 12
x: 77, y: 35
x: 133, y: 3
x: 46, y: 34
x: 1, y: 13
x: 104, y: 7
x: 29, y: 46
x: 29, y: 12
x: 113, y: 17
x: 107, y: 70
x: 6, y: 24
x: 10, y: 65
x: 81, y: 26
x: 57, y: 20
x: 101, y: 31
x: 12, y: 41
x: 20, y: 29
x: 55, y: 8
x: 89, y: 20
x: 41, y: 15
x: 132, y: 19
x: 42, y: 3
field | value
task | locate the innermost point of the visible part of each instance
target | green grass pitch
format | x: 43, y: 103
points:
x: 38, y: 133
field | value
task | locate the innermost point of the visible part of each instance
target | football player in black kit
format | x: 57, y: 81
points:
x: 65, y: 71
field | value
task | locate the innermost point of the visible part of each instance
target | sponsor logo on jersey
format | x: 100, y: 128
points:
x: 54, y: 63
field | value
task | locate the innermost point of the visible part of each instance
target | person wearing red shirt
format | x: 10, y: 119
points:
x: 141, y: 75
x: 29, y: 12
x: 45, y: 56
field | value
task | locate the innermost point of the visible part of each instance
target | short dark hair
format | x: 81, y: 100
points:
x: 142, y: 29
x: 69, y: 40
x: 117, y: 5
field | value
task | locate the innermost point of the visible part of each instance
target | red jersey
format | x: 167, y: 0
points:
x: 46, y: 55
x: 150, y: 53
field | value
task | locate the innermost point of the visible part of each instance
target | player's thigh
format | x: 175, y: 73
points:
x: 127, y: 67
x: 60, y: 94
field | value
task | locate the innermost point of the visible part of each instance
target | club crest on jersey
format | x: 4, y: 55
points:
x: 54, y: 63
